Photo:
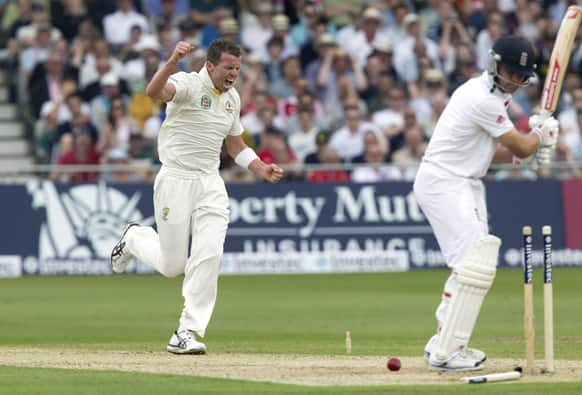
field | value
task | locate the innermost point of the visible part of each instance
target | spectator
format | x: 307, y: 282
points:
x: 25, y: 35
x: 308, y: 52
x: 331, y: 172
x: 100, y: 105
x: 361, y: 44
x: 37, y: 53
x: 129, y: 50
x: 410, y: 155
x: 266, y: 117
x: 465, y: 69
x: 169, y: 16
x: 256, y: 36
x: 324, y: 44
x: 274, y: 66
x: 348, y: 141
x: 141, y: 106
x: 252, y: 76
x: 280, y: 23
x: 82, y: 153
x: 288, y: 106
x: 73, y: 15
x: 98, y: 62
x: 79, y: 121
x: 304, y: 30
x: 117, y: 26
x: 390, y: 121
x: 190, y: 32
x: 337, y: 80
x: 134, y: 70
x: 486, y: 38
x: 23, y: 12
x: 377, y: 91
x: 252, y: 119
x: 210, y: 30
x: 397, y: 30
x: 372, y: 138
x: 229, y: 29
x: 432, y: 83
x: 283, y: 86
x: 45, y: 83
x: 140, y: 150
x: 409, y: 52
x: 274, y: 149
x: 375, y: 168
x: 205, y: 12
x: 115, y: 132
x: 302, y: 140
x: 321, y: 141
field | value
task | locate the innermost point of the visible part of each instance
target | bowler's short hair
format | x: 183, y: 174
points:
x: 218, y: 46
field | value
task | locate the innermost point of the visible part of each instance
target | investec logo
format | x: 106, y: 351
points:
x: 82, y: 224
x: 351, y: 207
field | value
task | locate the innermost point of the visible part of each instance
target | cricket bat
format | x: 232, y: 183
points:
x: 559, y: 61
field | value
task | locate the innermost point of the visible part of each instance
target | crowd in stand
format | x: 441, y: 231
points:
x: 322, y: 81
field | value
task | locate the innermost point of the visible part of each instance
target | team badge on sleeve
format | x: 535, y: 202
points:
x: 500, y: 119
x: 228, y: 107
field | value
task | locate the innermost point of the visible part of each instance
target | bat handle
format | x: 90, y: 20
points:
x: 545, y: 114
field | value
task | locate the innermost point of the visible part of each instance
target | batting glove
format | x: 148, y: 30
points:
x: 547, y: 130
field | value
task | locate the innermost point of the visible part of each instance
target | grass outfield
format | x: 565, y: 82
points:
x: 387, y: 314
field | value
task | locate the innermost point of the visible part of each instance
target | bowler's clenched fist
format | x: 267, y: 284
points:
x: 273, y: 173
x: 182, y: 49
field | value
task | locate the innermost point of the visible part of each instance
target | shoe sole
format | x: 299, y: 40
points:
x: 427, y: 358
x: 180, y: 351
x: 127, y: 227
x: 444, y: 368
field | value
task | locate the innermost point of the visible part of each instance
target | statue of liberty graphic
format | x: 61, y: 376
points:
x: 84, y: 221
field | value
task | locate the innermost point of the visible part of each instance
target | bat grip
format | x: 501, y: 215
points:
x: 545, y: 114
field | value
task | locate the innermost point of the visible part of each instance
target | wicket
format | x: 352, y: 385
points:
x: 529, y: 329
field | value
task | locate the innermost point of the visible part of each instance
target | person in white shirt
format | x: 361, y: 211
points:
x: 117, y: 26
x: 473, y: 130
x: 302, y: 141
x: 203, y: 111
x: 348, y: 141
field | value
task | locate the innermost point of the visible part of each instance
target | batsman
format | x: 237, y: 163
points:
x: 473, y: 131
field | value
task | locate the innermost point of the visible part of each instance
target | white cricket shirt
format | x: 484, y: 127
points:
x: 198, y: 118
x: 463, y: 142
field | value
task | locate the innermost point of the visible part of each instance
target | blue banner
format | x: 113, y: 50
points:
x: 286, y: 228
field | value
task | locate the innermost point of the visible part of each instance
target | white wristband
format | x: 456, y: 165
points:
x: 245, y: 157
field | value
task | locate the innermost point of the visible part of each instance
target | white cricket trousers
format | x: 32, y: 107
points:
x: 457, y: 212
x: 184, y: 205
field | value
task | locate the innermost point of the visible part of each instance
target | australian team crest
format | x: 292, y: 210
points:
x: 205, y: 102
x: 228, y: 107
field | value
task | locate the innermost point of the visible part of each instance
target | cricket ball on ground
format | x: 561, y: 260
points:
x: 393, y: 364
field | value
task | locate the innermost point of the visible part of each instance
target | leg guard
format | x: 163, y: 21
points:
x: 474, y: 278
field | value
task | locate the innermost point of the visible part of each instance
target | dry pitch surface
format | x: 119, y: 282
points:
x: 287, y: 369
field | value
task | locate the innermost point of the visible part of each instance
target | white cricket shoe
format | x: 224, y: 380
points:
x: 184, y: 342
x: 459, y: 361
x: 472, y: 352
x: 120, y: 257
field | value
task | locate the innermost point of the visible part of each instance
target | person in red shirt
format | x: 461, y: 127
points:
x: 83, y: 152
x: 274, y: 149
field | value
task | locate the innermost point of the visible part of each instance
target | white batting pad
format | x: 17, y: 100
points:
x: 474, y: 278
